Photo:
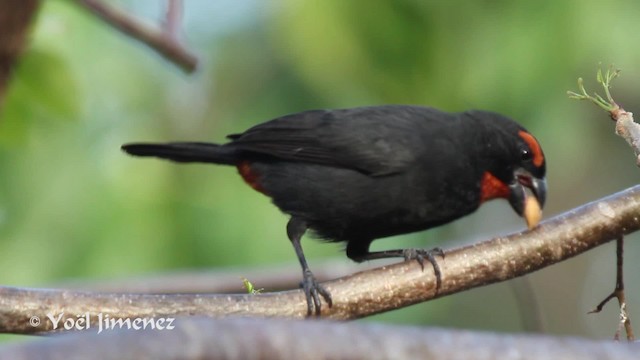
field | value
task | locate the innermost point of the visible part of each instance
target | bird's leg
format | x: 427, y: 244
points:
x: 312, y: 289
x: 359, y: 251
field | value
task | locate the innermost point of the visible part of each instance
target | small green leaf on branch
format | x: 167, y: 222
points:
x: 605, y: 80
x: 250, y: 288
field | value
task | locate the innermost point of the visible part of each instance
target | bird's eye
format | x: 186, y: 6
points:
x: 526, y: 155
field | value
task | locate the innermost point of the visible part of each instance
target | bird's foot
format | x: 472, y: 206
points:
x: 420, y: 255
x: 312, y: 291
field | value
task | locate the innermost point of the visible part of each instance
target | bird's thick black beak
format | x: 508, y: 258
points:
x: 518, y: 194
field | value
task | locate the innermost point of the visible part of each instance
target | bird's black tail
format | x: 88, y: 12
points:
x: 185, y: 152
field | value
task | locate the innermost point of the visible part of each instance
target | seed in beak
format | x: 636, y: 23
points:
x: 532, y: 211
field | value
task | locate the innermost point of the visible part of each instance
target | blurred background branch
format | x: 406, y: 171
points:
x: 16, y: 17
x: 205, y: 338
x: 164, y: 39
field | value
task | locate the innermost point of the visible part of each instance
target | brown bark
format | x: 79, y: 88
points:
x: 15, y: 18
x: 361, y: 294
x: 165, y: 42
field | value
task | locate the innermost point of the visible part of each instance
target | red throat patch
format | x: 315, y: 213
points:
x: 491, y: 188
x: 249, y: 176
x: 538, y: 158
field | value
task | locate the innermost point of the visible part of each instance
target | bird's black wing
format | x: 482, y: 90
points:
x: 374, y: 140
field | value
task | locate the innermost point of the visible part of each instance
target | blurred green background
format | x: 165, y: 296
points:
x: 73, y: 206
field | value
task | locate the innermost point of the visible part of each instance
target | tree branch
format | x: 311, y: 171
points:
x: 15, y: 18
x: 173, y: 18
x: 626, y: 127
x: 242, y: 338
x: 618, y: 293
x: 629, y: 130
x: 361, y: 294
x: 163, y: 41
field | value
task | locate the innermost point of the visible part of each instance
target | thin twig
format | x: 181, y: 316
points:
x: 156, y: 38
x: 619, y: 294
x: 603, y: 79
x: 629, y: 130
x: 626, y: 127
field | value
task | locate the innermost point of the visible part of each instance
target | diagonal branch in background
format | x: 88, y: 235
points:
x: 361, y: 294
x: 164, y: 41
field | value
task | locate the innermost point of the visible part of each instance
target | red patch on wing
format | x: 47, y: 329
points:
x: 250, y: 176
x: 491, y: 188
x: 538, y: 157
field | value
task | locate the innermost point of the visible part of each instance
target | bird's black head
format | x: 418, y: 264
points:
x: 512, y: 161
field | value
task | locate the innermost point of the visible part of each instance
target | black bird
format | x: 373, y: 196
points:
x: 356, y: 175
